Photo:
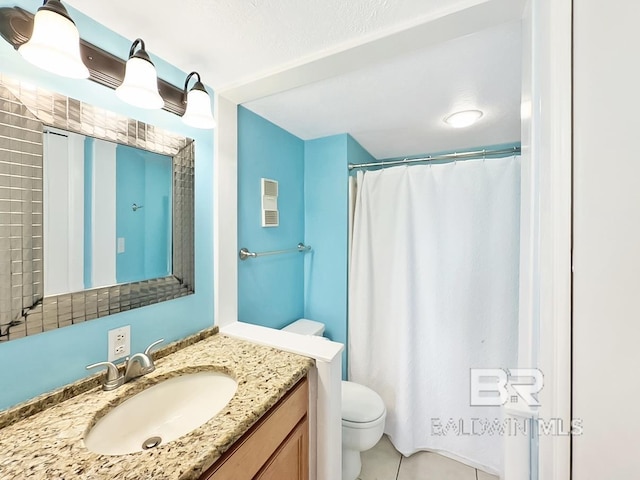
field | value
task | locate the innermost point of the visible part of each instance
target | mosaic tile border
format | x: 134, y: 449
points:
x: 24, y: 111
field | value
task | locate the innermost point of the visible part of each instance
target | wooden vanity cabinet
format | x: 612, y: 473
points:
x: 275, y: 448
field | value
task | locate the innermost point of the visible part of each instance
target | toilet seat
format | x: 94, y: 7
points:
x: 364, y: 426
x: 361, y: 406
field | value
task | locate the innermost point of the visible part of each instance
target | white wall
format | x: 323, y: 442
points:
x: 63, y: 212
x: 103, y: 235
x: 64, y: 195
x: 225, y: 212
x: 606, y: 308
x: 545, y: 261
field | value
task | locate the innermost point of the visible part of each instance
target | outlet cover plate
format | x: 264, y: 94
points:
x: 119, y: 343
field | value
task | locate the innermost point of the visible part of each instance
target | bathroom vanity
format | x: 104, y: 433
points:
x: 262, y: 433
x: 277, y: 447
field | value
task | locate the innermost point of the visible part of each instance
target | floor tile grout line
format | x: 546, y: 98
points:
x: 400, y: 458
x: 399, y: 464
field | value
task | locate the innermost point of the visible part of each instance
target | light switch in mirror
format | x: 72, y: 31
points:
x: 107, y: 213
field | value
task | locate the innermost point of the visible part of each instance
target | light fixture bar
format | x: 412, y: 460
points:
x: 16, y: 25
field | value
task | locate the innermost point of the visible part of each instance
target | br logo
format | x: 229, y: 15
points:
x: 495, y: 386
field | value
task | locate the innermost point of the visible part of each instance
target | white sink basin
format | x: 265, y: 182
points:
x: 161, y: 413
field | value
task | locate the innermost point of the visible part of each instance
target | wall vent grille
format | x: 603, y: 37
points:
x: 270, y: 218
x: 270, y: 215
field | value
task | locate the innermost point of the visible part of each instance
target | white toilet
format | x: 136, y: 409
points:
x: 363, y: 412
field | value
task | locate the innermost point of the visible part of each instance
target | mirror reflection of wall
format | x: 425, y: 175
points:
x: 107, y: 214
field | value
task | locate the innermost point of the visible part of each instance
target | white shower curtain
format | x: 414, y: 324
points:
x: 434, y: 293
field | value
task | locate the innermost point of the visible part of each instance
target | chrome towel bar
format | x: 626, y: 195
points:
x: 245, y: 253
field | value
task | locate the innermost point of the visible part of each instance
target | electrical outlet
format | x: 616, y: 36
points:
x: 119, y: 343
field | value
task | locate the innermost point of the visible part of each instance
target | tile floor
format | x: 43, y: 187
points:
x: 383, y: 462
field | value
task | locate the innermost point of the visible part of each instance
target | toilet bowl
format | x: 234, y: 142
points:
x: 363, y: 412
x: 363, y: 416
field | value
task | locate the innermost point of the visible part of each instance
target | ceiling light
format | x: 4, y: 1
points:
x: 140, y: 84
x: 55, y: 42
x: 198, y: 113
x: 463, y: 119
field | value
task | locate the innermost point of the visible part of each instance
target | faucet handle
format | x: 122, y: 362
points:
x: 114, y: 379
x: 148, y: 349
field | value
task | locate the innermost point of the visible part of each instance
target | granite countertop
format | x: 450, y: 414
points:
x: 48, y: 444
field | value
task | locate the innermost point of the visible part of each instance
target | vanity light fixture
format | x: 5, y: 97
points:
x: 198, y: 112
x: 463, y: 119
x: 54, y: 44
x: 17, y: 28
x: 140, y: 84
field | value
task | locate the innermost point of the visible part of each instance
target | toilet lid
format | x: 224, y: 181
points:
x: 360, y: 404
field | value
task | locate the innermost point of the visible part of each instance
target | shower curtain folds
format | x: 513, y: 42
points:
x: 434, y: 293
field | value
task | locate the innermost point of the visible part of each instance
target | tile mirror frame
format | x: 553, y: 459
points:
x: 25, y: 111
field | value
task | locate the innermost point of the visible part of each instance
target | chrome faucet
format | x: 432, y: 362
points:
x: 113, y: 379
x: 140, y: 363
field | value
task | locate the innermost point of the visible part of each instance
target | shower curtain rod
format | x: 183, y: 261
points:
x: 431, y: 158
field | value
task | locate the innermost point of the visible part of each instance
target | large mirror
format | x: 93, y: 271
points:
x: 107, y: 213
x: 96, y: 212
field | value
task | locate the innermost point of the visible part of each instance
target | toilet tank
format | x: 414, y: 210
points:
x: 304, y: 326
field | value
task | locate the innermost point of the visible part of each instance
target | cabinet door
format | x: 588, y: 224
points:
x: 285, y: 424
x: 291, y: 460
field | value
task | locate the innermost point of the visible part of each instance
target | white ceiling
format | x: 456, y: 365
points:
x: 386, y: 71
x: 396, y: 108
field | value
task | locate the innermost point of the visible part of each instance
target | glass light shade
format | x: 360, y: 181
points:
x: 464, y: 118
x: 198, y: 113
x: 140, y: 85
x: 55, y: 45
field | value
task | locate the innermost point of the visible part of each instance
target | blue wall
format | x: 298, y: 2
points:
x: 326, y: 196
x: 130, y: 225
x: 356, y: 153
x: 270, y: 289
x: 313, y: 204
x: 158, y: 211
x: 143, y: 178
x: 43, y: 362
